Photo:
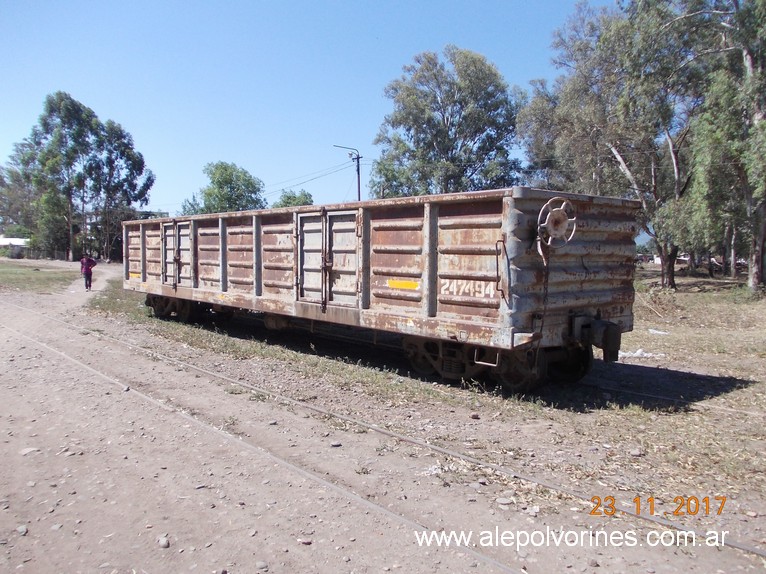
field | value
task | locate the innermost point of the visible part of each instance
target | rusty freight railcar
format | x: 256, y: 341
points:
x: 517, y: 282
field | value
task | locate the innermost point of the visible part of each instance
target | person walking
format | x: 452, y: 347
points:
x: 87, y: 263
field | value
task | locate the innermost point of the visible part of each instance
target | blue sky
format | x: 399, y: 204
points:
x: 271, y: 86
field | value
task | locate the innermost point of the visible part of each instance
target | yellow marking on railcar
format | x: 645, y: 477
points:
x: 135, y: 275
x: 404, y: 284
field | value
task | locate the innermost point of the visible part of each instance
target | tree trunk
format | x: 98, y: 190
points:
x: 70, y: 224
x: 668, y: 256
x: 107, y: 247
x: 733, y: 258
x: 669, y: 266
x: 761, y: 242
x: 755, y: 263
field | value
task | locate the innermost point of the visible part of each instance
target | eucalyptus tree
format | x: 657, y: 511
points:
x: 564, y: 126
x: 61, y: 146
x: 72, y: 165
x: 667, y: 85
x: 731, y: 141
x: 750, y: 40
x: 617, y: 121
x: 718, y: 204
x: 18, y: 197
x: 292, y: 198
x: 452, y: 129
x: 231, y: 188
x: 54, y: 231
x: 119, y: 179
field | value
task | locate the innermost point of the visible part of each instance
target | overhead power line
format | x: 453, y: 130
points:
x: 312, y: 175
x: 283, y: 188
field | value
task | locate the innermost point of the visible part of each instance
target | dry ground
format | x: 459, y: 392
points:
x: 99, y: 478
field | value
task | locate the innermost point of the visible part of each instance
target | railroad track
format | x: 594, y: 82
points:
x: 368, y: 351
x: 283, y: 399
x: 100, y: 376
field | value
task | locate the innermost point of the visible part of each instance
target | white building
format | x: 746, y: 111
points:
x: 14, y: 244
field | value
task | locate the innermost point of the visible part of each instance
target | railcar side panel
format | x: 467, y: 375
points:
x: 342, y: 268
x: 397, y: 259
x: 470, y: 241
x: 153, y: 253
x: 239, y: 242
x: 208, y: 268
x: 278, y: 262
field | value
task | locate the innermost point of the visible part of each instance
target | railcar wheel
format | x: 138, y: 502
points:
x: 161, y: 306
x: 416, y: 350
x: 421, y: 365
x: 575, y: 367
x: 187, y: 311
x: 519, y: 373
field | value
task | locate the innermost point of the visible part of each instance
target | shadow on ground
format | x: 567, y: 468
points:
x: 650, y: 388
x: 609, y: 385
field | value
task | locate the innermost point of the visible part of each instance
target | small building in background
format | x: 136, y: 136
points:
x: 13, y: 245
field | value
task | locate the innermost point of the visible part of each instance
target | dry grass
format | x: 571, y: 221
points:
x: 708, y: 347
x: 26, y: 276
x: 714, y: 326
x: 705, y: 349
x: 380, y: 382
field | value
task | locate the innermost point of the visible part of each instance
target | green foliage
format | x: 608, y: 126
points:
x: 664, y: 102
x: 292, y: 198
x: 73, y: 167
x: 611, y: 125
x: 17, y: 202
x: 451, y: 130
x: 119, y: 180
x: 231, y: 188
x: 644, y: 248
x: 566, y: 127
x: 53, y: 230
x: 61, y: 144
x: 20, y: 231
x: 191, y: 206
x: 716, y: 204
x: 730, y: 136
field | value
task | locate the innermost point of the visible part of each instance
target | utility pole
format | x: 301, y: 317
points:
x: 355, y: 157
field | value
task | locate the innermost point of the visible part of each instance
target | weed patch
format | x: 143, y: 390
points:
x: 26, y: 277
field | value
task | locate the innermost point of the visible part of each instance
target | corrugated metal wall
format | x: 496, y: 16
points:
x: 592, y: 273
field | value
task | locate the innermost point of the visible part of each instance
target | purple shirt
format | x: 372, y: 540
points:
x: 86, y: 265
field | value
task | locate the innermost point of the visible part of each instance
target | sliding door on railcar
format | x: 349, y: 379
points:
x: 176, y: 254
x: 328, y: 258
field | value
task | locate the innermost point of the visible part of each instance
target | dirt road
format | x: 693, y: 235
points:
x: 123, y: 452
